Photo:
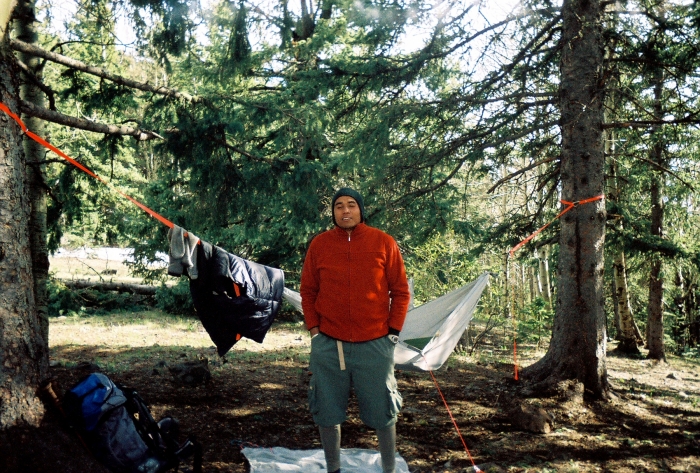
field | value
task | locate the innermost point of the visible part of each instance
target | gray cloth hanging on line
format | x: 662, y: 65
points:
x: 182, y: 255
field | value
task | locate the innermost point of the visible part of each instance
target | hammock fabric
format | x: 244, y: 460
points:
x: 431, y: 331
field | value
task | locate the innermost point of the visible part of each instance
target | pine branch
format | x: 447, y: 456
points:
x: 96, y: 71
x: 36, y: 81
x: 32, y: 110
x: 476, y: 147
x: 690, y: 120
x: 520, y: 171
x: 666, y: 170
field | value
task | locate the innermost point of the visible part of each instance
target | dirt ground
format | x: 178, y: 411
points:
x: 257, y: 397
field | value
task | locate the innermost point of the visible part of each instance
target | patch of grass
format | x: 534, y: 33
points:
x: 125, y: 339
x: 128, y: 329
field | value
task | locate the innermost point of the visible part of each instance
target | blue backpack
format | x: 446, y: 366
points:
x: 117, y: 426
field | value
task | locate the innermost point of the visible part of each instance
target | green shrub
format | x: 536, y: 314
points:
x: 175, y: 299
x: 535, y: 321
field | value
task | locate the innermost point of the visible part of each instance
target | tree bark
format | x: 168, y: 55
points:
x: 23, y: 351
x: 34, y: 153
x: 655, y: 331
x: 628, y: 335
x: 578, y: 346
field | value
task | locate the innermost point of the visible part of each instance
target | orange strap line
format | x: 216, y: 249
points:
x: 454, y: 422
x: 87, y: 171
x: 569, y: 206
x: 75, y: 163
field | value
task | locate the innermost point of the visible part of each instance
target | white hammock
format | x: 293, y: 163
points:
x: 431, y: 331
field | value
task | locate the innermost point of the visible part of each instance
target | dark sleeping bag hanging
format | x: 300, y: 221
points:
x: 225, y: 315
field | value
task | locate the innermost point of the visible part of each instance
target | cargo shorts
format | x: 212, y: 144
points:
x: 368, y: 370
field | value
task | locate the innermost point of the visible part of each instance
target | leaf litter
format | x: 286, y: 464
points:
x: 257, y: 397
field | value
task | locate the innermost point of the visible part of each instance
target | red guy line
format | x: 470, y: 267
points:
x: 569, y: 206
x: 87, y: 171
x: 454, y: 422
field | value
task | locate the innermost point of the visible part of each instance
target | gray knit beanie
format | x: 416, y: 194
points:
x: 346, y: 191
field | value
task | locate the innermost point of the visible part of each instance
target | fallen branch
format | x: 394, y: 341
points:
x: 141, y: 289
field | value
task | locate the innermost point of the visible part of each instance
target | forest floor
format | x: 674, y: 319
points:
x: 257, y: 397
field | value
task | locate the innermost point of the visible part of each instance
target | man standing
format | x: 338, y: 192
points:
x: 354, y: 296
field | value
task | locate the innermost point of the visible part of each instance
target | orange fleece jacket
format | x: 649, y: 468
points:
x: 354, y: 287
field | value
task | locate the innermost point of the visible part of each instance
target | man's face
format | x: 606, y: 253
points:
x: 347, y: 213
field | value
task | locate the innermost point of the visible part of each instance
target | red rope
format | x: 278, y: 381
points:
x: 75, y: 163
x: 569, y: 206
x: 87, y: 171
x: 454, y: 422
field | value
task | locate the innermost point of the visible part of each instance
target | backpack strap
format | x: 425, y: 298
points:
x: 158, y: 440
x: 146, y: 424
x: 191, y: 447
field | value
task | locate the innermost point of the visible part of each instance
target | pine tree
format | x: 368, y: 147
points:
x: 23, y: 347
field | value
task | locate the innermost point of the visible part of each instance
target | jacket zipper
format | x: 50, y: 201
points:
x: 349, y: 282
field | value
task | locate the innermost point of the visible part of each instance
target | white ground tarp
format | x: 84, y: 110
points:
x: 440, y: 323
x: 283, y: 460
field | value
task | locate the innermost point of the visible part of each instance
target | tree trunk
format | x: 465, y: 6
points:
x: 508, y: 291
x: 23, y: 350
x: 627, y: 331
x: 655, y: 324
x: 616, y: 309
x: 628, y: 335
x: 578, y: 344
x: 681, y: 302
x: 29, y: 439
x: 34, y: 153
x: 537, y: 276
x: 544, y: 276
x: 693, y: 319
